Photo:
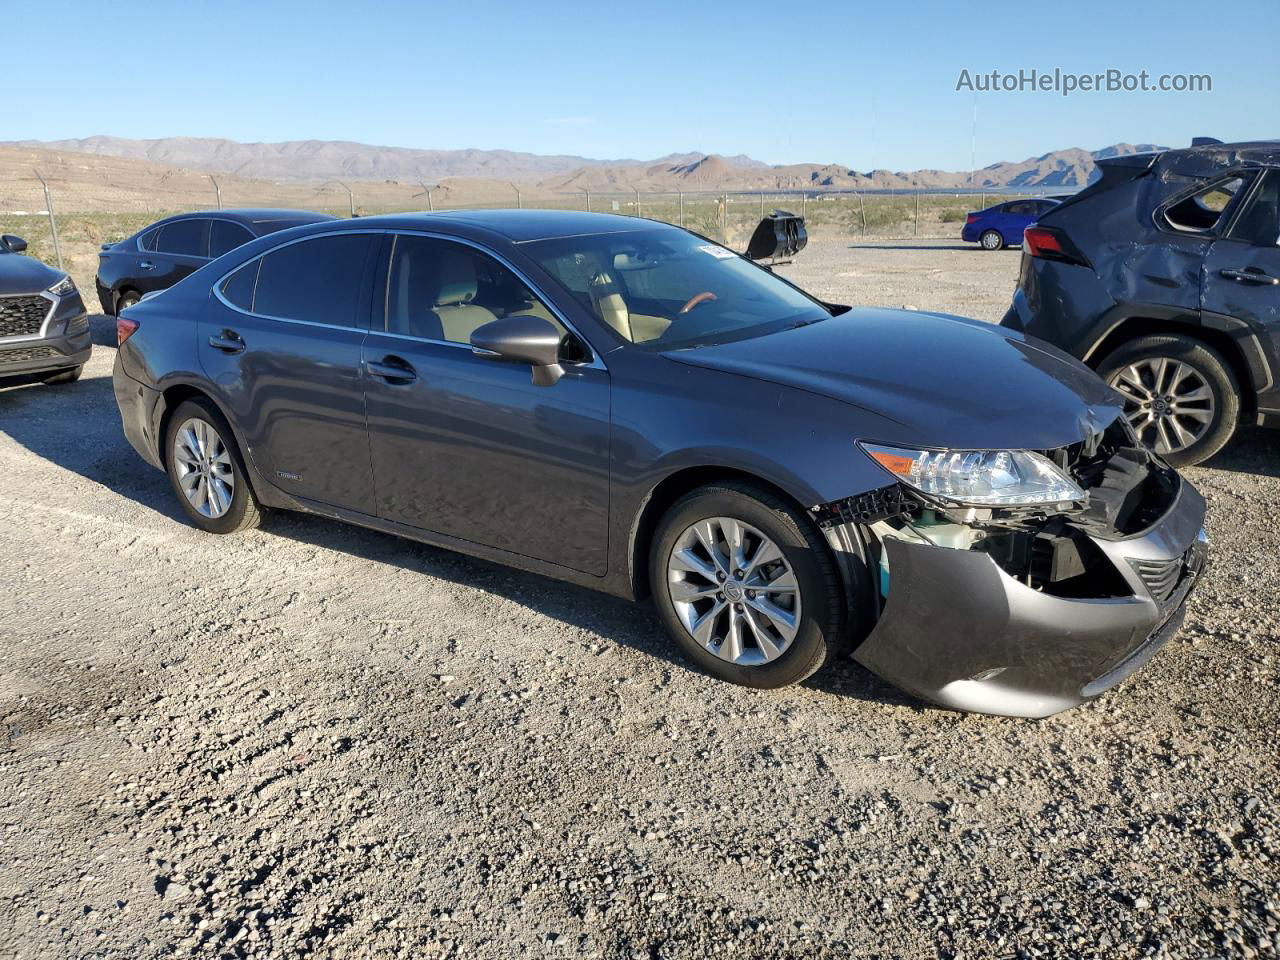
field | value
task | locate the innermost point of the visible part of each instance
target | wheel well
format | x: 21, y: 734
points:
x: 666, y: 493
x: 115, y: 297
x: 172, y: 398
x: 1135, y: 327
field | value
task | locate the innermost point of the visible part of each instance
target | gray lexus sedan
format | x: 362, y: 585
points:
x: 44, y: 329
x: 625, y: 405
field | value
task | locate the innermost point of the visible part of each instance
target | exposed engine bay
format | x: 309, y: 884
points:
x: 1048, y: 550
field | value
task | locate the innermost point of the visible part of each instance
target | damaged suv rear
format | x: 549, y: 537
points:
x: 1164, y: 276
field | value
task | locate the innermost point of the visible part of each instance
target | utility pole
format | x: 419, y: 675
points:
x: 588, y: 193
x: 217, y: 190
x: 519, y: 201
x: 426, y: 191
x: 53, y: 224
x: 637, y: 191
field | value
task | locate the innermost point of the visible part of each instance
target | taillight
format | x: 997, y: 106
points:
x: 1049, y: 243
x: 970, y: 218
x: 125, y: 329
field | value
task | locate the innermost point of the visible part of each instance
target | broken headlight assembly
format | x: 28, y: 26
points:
x: 979, y: 478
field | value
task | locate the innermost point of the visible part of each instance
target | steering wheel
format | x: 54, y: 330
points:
x: 696, y: 299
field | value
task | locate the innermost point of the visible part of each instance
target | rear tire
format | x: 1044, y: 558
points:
x: 228, y: 504
x: 1210, y: 421
x: 992, y: 240
x: 59, y: 377
x: 764, y: 656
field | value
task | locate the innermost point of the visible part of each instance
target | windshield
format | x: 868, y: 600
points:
x: 668, y: 289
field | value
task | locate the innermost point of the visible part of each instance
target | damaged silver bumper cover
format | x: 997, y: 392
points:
x: 958, y: 630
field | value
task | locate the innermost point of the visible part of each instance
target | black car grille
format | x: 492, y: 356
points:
x: 22, y: 354
x: 22, y: 316
x: 1160, y: 576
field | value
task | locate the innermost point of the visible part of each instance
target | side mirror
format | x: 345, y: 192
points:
x: 522, y: 339
x: 13, y: 244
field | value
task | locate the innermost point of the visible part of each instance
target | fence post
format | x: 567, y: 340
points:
x: 53, y: 223
x: 217, y: 191
x: 637, y: 192
x: 863, y: 208
x: 803, y: 204
x: 519, y: 200
x: 588, y: 193
x: 916, y: 229
x: 680, y: 194
x: 982, y: 204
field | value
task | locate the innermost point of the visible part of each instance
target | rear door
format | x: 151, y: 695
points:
x: 1015, y: 219
x: 468, y: 446
x: 281, y: 343
x: 1242, y: 271
x: 177, y: 249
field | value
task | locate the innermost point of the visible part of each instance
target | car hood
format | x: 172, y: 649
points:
x: 22, y: 274
x: 944, y: 381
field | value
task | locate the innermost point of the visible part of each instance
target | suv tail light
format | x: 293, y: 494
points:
x: 125, y: 329
x: 1050, y: 243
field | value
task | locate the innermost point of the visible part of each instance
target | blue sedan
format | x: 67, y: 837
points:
x: 997, y: 227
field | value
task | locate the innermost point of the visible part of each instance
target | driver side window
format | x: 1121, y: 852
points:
x: 441, y: 290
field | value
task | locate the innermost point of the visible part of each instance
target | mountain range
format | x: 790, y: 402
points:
x: 321, y: 160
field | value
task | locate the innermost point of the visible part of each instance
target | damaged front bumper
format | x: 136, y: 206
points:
x: 959, y: 630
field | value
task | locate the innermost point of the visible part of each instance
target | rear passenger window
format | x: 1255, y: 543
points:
x: 315, y: 280
x: 1023, y: 208
x: 237, y: 289
x: 188, y: 238
x: 225, y: 236
x: 1200, y: 212
x: 1260, y: 223
x: 148, y: 240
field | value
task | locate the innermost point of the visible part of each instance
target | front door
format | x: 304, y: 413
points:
x: 468, y: 446
x: 1242, y: 273
x: 282, y: 343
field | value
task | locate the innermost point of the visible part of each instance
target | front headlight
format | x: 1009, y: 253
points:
x: 64, y: 287
x: 979, y: 478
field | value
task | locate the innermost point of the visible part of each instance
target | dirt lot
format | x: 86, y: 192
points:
x: 316, y: 740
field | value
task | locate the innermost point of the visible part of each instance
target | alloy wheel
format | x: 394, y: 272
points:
x: 734, y: 591
x: 202, y: 464
x: 991, y: 240
x: 1169, y: 402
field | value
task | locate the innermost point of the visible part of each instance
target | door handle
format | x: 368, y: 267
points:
x: 391, y: 369
x: 228, y: 341
x: 1250, y: 276
x: 146, y: 265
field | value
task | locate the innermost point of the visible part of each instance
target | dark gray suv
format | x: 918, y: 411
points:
x: 625, y: 405
x: 44, y: 329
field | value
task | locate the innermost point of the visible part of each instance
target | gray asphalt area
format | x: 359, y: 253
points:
x: 316, y: 740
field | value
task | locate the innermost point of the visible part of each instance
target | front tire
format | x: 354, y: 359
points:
x: 126, y: 299
x: 991, y: 240
x: 58, y: 377
x: 746, y: 586
x: 1180, y: 395
x: 206, y: 471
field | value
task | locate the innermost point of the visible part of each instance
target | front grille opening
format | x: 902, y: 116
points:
x: 1061, y: 562
x: 1161, y: 576
x: 23, y: 354
x: 22, y: 316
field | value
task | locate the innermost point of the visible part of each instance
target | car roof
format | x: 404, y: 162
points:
x: 517, y: 226
x: 1210, y: 158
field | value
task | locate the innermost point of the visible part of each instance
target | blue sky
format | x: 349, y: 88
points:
x: 869, y: 85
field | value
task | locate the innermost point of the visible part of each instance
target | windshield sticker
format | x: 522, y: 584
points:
x: 720, y: 253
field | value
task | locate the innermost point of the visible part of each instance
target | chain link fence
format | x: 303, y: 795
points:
x: 66, y: 217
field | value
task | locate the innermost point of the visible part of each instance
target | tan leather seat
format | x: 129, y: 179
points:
x: 606, y: 295
x: 459, y: 318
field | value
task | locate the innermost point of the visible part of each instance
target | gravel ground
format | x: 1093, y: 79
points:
x: 317, y: 740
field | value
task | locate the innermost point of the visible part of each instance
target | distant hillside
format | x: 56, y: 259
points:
x: 315, y: 161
